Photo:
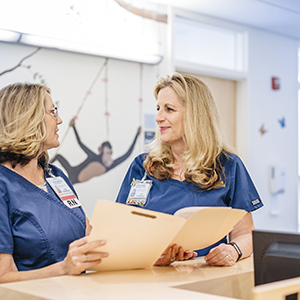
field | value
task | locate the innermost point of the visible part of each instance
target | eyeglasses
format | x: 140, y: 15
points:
x: 53, y: 111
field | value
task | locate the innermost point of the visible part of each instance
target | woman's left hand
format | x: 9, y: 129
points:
x: 222, y: 255
x: 81, y: 257
x: 225, y: 254
x: 174, y: 253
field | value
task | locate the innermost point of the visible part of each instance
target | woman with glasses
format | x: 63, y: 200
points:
x: 43, y: 228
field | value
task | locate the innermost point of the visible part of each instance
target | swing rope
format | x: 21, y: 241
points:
x: 141, y: 100
x: 83, y: 102
x: 106, y: 103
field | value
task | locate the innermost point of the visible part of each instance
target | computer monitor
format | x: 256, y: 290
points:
x: 276, y: 256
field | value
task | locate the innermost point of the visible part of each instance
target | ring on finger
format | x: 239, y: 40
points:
x: 172, y: 259
x: 86, y: 258
x: 229, y: 257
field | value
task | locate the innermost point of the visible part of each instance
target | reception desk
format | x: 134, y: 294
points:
x: 191, y: 279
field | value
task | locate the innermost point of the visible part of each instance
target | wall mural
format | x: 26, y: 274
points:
x: 95, y: 164
x: 36, y: 75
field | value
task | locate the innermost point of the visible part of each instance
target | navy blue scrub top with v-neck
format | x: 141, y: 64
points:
x: 170, y: 195
x: 35, y: 226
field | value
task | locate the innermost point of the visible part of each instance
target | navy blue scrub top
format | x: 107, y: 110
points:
x: 35, y: 226
x: 170, y: 195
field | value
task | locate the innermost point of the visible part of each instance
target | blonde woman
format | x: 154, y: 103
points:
x: 43, y: 227
x: 189, y: 165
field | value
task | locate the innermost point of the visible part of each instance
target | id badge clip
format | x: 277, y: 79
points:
x: 139, y: 192
x: 63, y: 191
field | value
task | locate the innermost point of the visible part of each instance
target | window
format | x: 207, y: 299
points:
x: 203, y: 44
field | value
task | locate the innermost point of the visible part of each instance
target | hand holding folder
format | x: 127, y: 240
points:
x: 136, y: 237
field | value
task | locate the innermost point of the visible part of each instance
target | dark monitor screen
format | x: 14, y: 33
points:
x: 276, y: 256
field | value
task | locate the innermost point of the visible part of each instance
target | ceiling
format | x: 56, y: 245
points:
x: 278, y: 16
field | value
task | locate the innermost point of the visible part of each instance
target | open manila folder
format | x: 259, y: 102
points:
x: 136, y: 237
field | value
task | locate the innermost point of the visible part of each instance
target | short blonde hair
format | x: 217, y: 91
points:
x: 202, y: 135
x: 22, y: 122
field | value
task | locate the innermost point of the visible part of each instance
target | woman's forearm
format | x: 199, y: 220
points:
x: 56, y: 269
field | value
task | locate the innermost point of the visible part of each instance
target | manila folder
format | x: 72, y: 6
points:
x: 136, y: 237
x: 205, y: 226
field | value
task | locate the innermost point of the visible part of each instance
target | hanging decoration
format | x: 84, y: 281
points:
x: 282, y: 122
x: 262, y: 129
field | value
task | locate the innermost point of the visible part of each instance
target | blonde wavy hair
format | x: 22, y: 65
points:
x: 205, y: 149
x: 22, y: 123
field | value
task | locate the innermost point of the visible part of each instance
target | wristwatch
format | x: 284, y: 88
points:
x: 237, y: 248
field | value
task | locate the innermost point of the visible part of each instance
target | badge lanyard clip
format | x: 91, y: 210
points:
x: 49, y: 171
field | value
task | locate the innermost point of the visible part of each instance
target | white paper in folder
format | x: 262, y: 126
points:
x: 136, y: 237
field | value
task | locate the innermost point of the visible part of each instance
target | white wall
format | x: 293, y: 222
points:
x: 273, y: 55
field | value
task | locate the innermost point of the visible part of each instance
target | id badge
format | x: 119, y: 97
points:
x: 139, y: 192
x: 63, y: 191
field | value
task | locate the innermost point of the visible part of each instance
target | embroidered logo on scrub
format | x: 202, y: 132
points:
x: 222, y: 184
x: 255, y: 202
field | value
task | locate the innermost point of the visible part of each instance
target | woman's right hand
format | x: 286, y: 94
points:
x: 81, y: 257
x: 174, y: 253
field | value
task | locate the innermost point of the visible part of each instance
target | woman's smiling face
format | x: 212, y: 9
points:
x: 170, y: 117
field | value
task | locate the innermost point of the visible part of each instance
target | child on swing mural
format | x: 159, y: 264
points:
x: 95, y: 164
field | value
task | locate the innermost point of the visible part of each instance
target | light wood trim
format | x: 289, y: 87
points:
x: 276, y: 290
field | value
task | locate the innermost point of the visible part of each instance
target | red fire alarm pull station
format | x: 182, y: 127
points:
x: 275, y: 83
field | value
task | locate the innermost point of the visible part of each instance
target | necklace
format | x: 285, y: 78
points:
x: 180, y: 176
x: 178, y: 171
x: 43, y: 186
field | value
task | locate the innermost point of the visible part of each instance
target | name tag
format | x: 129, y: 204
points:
x: 63, y: 191
x: 139, y: 192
